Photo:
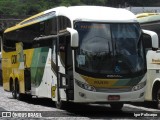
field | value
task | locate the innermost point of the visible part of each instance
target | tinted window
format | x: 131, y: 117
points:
x: 51, y: 26
x: 63, y: 23
x: 28, y: 33
x: 147, y: 41
x: 109, y: 48
x: 153, y: 26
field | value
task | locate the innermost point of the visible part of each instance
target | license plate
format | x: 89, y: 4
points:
x: 114, y: 97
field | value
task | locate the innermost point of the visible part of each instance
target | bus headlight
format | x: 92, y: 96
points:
x: 139, y: 86
x: 85, y: 86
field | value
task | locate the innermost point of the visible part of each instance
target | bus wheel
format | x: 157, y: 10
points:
x: 116, y: 106
x: 11, y: 85
x: 17, y: 94
x: 14, y: 94
x: 60, y: 104
x: 12, y: 89
x: 158, y: 98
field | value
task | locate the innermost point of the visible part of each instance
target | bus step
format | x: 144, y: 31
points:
x: 70, y: 94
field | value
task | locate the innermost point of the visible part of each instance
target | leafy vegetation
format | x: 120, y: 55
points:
x: 30, y: 7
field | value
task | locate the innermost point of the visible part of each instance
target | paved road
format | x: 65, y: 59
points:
x: 46, y: 109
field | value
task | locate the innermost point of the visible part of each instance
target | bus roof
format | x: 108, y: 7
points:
x: 99, y: 13
x: 80, y: 13
x: 148, y: 17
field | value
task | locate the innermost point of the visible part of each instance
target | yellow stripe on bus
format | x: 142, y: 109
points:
x: 100, y: 83
x: 18, y: 26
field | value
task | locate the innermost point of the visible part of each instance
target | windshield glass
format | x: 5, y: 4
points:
x: 109, y: 48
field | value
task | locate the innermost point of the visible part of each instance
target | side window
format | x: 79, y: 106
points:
x: 152, y: 27
x: 54, y: 54
x: 63, y: 23
x: 42, y: 28
x: 8, y: 42
x: 43, y: 43
x: 62, y: 49
x: 65, y: 51
x: 147, y: 42
x: 27, y: 34
x: 48, y: 27
x: 69, y: 53
x: 51, y: 26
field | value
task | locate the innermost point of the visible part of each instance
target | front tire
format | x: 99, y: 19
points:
x: 61, y: 104
x: 156, y: 96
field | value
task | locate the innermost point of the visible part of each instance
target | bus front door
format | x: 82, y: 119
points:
x: 65, y: 64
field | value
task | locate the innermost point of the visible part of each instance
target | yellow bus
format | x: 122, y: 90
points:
x: 82, y: 54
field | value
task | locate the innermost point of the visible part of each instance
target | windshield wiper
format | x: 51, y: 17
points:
x: 116, y: 48
x: 109, y: 49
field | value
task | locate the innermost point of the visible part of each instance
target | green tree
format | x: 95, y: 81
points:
x: 8, y: 6
x: 31, y: 7
x: 95, y: 2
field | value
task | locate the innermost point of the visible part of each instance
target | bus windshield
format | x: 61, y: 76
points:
x: 109, y: 48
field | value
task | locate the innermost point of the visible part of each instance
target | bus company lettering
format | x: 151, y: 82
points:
x: 156, y: 61
x: 91, y: 26
x: 14, y: 59
x: 114, y: 76
x: 101, y: 82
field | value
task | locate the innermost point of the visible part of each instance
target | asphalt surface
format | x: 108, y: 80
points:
x: 38, y: 108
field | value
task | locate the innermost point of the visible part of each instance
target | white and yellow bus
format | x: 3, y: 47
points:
x: 151, y: 21
x: 82, y: 54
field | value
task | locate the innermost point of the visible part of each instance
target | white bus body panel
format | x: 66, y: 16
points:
x: 90, y: 96
x: 153, y: 72
x: 44, y: 90
x: 61, y: 70
x: 95, y: 13
x: 92, y: 14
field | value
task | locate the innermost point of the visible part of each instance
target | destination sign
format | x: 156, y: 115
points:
x: 97, y: 26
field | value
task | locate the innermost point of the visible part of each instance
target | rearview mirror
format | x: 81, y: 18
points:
x: 74, y: 37
x: 154, y: 38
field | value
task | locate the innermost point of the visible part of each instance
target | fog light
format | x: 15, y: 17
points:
x: 82, y: 95
x: 141, y: 95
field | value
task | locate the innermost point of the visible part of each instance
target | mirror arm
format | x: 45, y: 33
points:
x: 45, y: 37
x: 50, y: 36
